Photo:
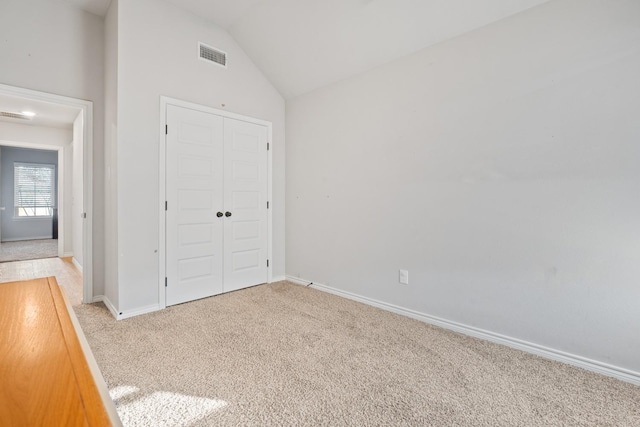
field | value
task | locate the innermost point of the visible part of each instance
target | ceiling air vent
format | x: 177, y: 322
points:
x: 210, y: 54
x: 15, y: 115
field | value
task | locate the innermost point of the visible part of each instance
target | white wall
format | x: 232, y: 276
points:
x: 51, y: 46
x: 157, y: 55
x: 42, y: 137
x: 500, y: 168
x: 77, y: 176
x: 110, y: 154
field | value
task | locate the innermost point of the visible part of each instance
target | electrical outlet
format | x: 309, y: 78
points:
x: 404, y: 277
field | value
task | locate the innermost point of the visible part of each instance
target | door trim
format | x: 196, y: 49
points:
x: 86, y: 108
x: 162, y: 187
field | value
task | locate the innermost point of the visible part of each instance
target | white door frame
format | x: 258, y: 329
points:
x: 162, y: 197
x: 86, y: 108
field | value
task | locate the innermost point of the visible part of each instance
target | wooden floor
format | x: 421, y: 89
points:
x: 67, y: 275
x: 46, y: 378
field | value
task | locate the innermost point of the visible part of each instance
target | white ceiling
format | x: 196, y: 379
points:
x: 224, y: 13
x: 302, y: 45
x: 97, y: 7
x: 47, y: 114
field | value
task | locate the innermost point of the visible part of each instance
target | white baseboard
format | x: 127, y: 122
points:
x: 95, y: 370
x: 119, y: 315
x: 107, y: 303
x: 278, y: 279
x: 67, y: 254
x: 539, y: 350
x: 77, y: 264
x: 25, y: 239
x: 138, y: 311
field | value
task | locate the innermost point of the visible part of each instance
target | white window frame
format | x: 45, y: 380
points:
x: 16, y: 208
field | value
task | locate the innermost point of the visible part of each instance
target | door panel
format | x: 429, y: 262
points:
x: 245, y: 231
x: 214, y: 164
x: 195, y: 163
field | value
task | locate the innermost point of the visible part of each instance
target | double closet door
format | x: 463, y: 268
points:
x: 216, y: 210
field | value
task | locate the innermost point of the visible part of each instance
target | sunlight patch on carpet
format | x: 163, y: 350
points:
x: 119, y: 392
x: 162, y: 407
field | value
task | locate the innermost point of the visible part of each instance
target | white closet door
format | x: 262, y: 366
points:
x: 245, y: 198
x: 194, y: 232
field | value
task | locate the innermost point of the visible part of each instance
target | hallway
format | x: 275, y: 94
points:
x: 68, y: 276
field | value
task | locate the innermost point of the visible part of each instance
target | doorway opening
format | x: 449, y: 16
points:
x: 35, y: 123
x: 29, y: 180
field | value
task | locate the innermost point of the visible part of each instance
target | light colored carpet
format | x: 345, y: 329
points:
x: 28, y: 249
x: 282, y: 354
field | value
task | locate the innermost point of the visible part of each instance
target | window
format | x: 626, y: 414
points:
x: 34, y: 189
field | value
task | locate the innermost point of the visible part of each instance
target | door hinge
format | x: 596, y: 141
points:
x: 267, y: 205
x: 165, y: 282
x: 166, y: 129
x: 267, y: 263
x: 166, y: 205
x: 267, y: 146
x: 83, y: 215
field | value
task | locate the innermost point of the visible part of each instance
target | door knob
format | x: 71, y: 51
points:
x: 219, y: 214
x: 227, y: 214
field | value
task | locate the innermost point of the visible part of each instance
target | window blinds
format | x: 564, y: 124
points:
x: 34, y: 189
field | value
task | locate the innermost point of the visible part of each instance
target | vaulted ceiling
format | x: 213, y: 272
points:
x: 302, y: 45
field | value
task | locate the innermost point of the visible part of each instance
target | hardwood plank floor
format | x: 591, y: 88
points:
x: 67, y: 275
x: 46, y: 379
